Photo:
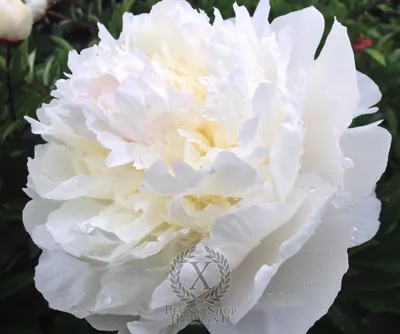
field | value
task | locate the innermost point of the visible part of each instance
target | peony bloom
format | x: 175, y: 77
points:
x: 228, y: 135
x: 16, y: 18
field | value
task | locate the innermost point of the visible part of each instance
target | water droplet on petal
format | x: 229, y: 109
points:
x: 312, y: 281
x: 108, y: 300
x: 355, y: 229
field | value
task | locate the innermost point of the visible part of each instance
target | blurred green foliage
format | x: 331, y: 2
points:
x: 370, y: 300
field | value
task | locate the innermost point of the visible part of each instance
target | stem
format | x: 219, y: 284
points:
x: 9, y: 84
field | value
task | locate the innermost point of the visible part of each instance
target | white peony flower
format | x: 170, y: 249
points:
x: 229, y: 135
x: 17, y: 17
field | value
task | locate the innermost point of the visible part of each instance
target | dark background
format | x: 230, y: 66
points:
x: 370, y: 299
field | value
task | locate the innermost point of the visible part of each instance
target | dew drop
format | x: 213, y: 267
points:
x: 355, y: 229
x: 312, y: 281
x: 108, y: 300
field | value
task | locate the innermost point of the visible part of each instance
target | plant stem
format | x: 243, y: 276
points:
x: 9, y: 84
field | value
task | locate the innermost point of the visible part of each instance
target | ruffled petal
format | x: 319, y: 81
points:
x: 368, y: 148
x: 300, y: 32
x: 329, y: 103
x: 69, y: 285
x: 290, y: 305
x: 370, y: 95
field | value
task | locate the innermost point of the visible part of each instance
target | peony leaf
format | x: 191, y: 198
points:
x: 377, y: 55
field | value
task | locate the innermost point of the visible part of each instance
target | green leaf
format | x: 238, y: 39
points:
x: 62, y: 43
x: 46, y: 72
x: 31, y: 65
x: 115, y: 25
x: 392, y: 120
x: 377, y: 55
x: 24, y: 55
x: 10, y: 129
x: 3, y: 63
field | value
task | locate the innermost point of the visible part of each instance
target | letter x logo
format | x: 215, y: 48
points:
x: 200, y: 276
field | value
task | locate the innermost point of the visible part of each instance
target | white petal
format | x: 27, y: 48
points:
x: 243, y: 23
x: 260, y: 17
x: 159, y: 180
x: 335, y: 78
x: 182, y: 211
x: 370, y: 94
x: 149, y: 328
x: 285, y: 155
x: 35, y: 215
x: 330, y: 101
x: 303, y: 289
x: 37, y: 211
x: 69, y: 285
x: 82, y: 228
x: 304, y: 28
x: 229, y: 176
x: 252, y: 276
x: 109, y: 322
x: 53, y: 175
x: 233, y: 235
x: 362, y: 216
x: 104, y: 34
x: 368, y: 148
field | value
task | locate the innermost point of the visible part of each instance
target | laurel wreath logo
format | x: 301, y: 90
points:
x: 212, y: 296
